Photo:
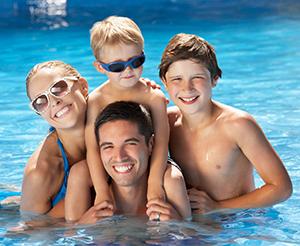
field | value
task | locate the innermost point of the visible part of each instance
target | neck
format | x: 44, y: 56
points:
x: 202, y: 119
x: 131, y: 200
x: 73, y: 143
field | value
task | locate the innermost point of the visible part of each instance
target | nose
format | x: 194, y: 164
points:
x: 187, y: 85
x: 54, y: 101
x: 128, y: 69
x: 119, y: 154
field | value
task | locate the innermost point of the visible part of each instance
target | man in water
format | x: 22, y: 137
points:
x: 125, y: 136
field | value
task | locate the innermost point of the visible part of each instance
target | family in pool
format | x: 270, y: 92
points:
x: 107, y: 151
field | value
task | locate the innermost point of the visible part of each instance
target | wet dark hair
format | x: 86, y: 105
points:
x: 126, y: 110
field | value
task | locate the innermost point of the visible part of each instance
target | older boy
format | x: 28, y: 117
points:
x: 216, y: 145
x: 118, y: 45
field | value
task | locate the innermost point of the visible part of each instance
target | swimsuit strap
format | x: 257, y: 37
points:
x: 63, y: 189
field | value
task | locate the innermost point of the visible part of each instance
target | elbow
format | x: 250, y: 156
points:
x: 286, y: 191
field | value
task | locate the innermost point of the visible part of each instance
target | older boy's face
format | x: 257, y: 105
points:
x: 121, y: 52
x: 189, y: 85
x: 62, y: 112
x: 124, y: 152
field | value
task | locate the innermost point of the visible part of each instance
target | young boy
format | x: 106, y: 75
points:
x: 216, y: 145
x: 118, y: 46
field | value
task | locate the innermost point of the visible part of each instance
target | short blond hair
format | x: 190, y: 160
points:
x: 115, y: 30
x: 67, y: 70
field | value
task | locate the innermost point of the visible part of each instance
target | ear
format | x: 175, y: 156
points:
x: 98, y: 67
x: 215, y: 81
x: 83, y: 86
x: 150, y: 144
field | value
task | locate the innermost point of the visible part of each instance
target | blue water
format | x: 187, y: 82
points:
x: 258, y: 50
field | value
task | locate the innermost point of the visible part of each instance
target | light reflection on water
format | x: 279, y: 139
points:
x: 240, y: 227
x: 260, y: 59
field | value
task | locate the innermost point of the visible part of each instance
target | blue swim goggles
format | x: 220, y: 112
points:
x: 119, y: 66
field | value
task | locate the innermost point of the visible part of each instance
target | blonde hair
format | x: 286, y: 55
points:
x: 67, y: 70
x: 115, y: 30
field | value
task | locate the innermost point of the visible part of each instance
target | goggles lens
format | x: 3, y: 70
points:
x: 117, y: 67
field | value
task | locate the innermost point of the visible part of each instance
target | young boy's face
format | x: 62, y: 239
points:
x: 59, y: 99
x: 121, y: 52
x: 189, y: 85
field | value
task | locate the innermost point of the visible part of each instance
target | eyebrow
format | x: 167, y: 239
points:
x: 126, y: 141
x: 105, y: 144
x: 132, y: 140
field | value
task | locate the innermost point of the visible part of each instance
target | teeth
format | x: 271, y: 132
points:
x: 188, y: 99
x: 61, y: 112
x: 123, y: 169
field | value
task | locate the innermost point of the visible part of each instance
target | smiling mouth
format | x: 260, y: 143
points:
x: 122, y: 169
x: 128, y: 76
x: 63, y: 111
x: 188, y: 100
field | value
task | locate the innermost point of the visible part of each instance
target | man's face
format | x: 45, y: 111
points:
x: 124, y: 152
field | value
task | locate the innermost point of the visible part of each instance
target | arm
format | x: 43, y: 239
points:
x: 95, y: 165
x: 36, y: 192
x: 258, y: 150
x: 160, y: 148
x: 177, y: 205
x: 78, y: 197
x: 253, y: 143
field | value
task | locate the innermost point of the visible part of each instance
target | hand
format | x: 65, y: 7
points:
x: 161, y: 211
x: 150, y: 83
x: 97, y: 212
x: 201, y: 202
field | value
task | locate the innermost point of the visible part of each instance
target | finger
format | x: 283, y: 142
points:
x: 158, y: 209
x: 104, y: 213
x: 157, y: 201
x: 104, y: 204
x: 196, y: 205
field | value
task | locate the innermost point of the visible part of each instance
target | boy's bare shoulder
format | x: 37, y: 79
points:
x: 235, y: 119
x: 97, y: 98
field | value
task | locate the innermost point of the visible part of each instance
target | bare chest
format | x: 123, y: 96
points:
x: 204, y: 157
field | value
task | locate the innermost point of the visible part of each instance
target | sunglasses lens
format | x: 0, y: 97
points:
x: 40, y: 104
x: 60, y: 89
x: 137, y: 62
x: 116, y: 67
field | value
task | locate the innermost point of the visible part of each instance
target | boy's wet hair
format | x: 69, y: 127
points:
x: 129, y: 111
x: 66, y: 69
x: 113, y: 31
x: 188, y: 46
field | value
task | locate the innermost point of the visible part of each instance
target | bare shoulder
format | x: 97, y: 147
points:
x: 44, y: 158
x: 174, y: 175
x: 96, y: 101
x: 236, y: 120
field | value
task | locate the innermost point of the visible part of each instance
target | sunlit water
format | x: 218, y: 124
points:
x: 259, y: 52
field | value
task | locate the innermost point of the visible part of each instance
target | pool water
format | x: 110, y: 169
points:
x: 258, y: 49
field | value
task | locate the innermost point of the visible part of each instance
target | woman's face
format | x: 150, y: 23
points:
x: 63, y: 101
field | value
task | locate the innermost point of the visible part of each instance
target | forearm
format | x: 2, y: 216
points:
x: 97, y: 172
x: 264, y: 196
